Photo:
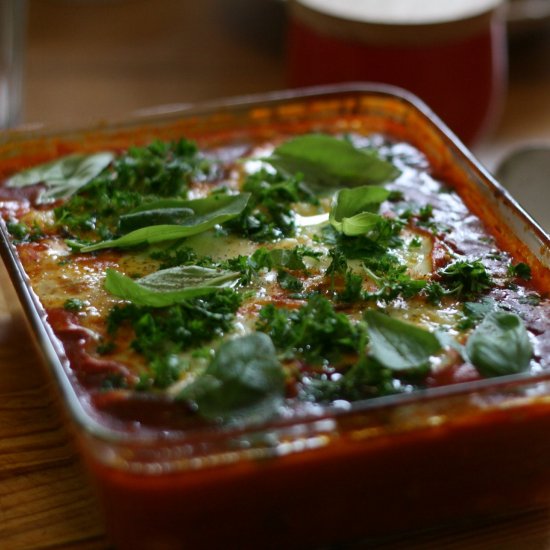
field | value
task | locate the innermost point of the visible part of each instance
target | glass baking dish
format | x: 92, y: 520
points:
x: 342, y: 474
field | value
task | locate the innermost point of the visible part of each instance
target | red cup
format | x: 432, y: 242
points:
x: 450, y: 53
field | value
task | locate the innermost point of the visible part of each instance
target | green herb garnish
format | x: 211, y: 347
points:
x: 139, y: 176
x: 466, y: 278
x: 269, y: 214
x: 168, y: 286
x: 244, y: 379
x: 62, y: 177
x: 327, y: 161
x: 160, y: 334
x: 400, y: 346
x: 315, y: 332
x: 500, y: 345
x: 74, y: 304
x: 355, y: 210
x: 209, y: 212
x: 519, y: 270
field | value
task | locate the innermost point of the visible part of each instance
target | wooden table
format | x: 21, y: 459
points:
x: 90, y: 60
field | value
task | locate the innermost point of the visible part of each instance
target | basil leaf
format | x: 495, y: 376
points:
x: 330, y: 162
x: 477, y: 311
x: 145, y: 235
x: 357, y: 225
x: 244, y: 380
x: 500, y: 345
x: 168, y: 286
x: 200, y: 206
x: 354, y: 211
x: 398, y: 345
x: 161, y: 204
x: 62, y: 177
x: 159, y: 216
x: 209, y: 212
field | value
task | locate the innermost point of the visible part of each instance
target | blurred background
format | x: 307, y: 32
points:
x: 92, y: 60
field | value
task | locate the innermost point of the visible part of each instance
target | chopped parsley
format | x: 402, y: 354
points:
x: 353, y: 288
x: 365, y: 379
x: 21, y: 232
x: 466, y: 279
x: 314, y: 333
x: 288, y: 281
x: 74, y: 304
x: 519, y: 270
x: 269, y: 215
x: 392, y: 279
x: 180, y: 254
x: 138, y: 176
x: 281, y: 259
x: 161, y: 333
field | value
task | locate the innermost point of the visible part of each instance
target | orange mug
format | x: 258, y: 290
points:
x: 450, y: 53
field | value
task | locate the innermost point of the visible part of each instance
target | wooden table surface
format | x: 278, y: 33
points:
x: 89, y: 60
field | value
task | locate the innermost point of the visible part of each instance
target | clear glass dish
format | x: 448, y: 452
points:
x: 341, y: 473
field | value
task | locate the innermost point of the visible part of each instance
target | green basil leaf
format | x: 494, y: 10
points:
x: 168, y: 286
x: 145, y: 235
x: 398, y: 345
x: 331, y: 162
x: 366, y: 198
x: 500, y: 345
x: 244, y: 380
x: 477, y: 311
x: 357, y: 225
x: 209, y: 212
x: 202, y: 206
x: 62, y: 177
x: 159, y: 216
x: 355, y: 210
